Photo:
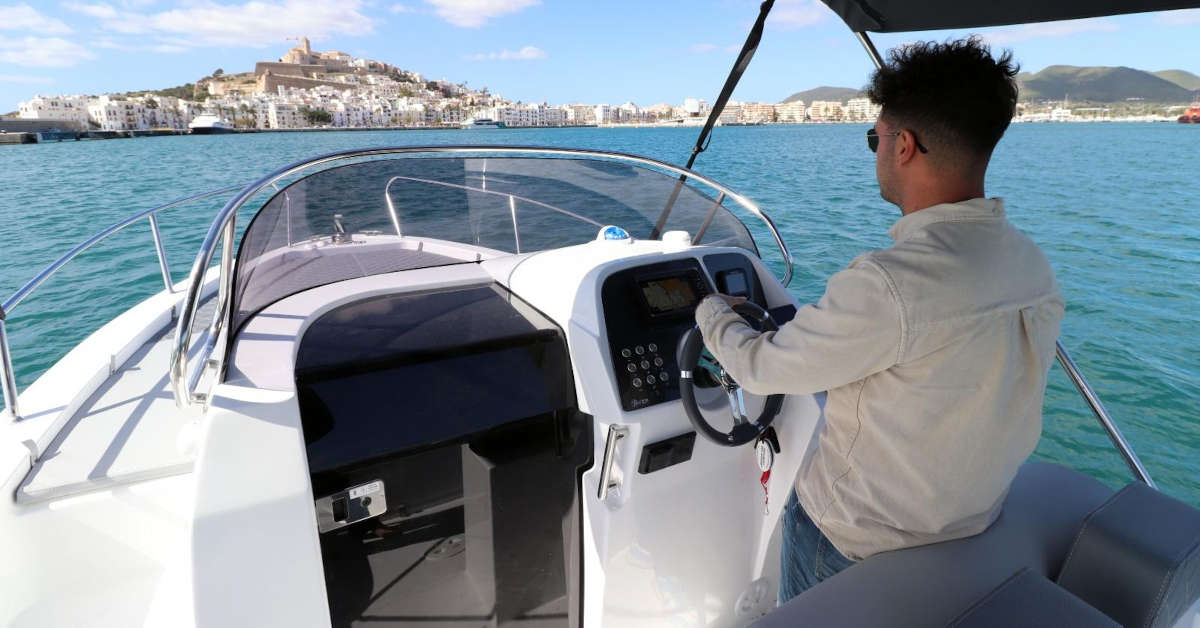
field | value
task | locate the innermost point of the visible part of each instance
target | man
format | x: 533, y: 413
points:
x: 934, y: 352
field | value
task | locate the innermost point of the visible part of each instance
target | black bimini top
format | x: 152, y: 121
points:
x: 897, y: 16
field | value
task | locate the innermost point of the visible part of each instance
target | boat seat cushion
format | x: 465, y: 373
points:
x: 1137, y: 558
x: 931, y: 585
x: 1030, y: 600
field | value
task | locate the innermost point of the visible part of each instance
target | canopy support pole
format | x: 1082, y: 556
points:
x: 735, y: 75
x: 871, y: 50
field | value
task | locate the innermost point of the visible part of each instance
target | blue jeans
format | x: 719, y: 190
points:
x: 807, y: 557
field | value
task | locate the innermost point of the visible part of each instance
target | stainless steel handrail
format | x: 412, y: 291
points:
x: 7, y: 375
x: 185, y: 395
x: 1110, y: 426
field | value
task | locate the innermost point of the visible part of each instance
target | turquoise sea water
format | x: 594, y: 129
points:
x: 1115, y: 206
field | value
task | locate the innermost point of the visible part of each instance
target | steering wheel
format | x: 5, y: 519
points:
x: 693, y: 356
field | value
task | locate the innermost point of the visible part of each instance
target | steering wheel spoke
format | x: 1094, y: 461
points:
x: 737, y: 405
x: 709, y: 363
x: 694, y: 356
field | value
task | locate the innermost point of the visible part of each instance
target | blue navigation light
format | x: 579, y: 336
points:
x: 613, y: 232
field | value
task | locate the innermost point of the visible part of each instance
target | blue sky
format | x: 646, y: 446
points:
x: 533, y: 50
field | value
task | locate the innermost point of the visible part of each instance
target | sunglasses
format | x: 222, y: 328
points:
x: 873, y: 140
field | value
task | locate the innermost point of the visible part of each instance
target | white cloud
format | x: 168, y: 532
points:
x: 525, y: 54
x: 22, y: 78
x: 476, y: 13
x: 102, y: 11
x: 42, y: 52
x: 1049, y: 29
x: 22, y: 17
x: 254, y: 24
x: 794, y: 14
x: 1186, y: 17
x: 402, y: 8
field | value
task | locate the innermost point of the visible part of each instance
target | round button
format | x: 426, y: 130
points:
x: 645, y: 365
x: 658, y: 362
x: 626, y: 353
x: 366, y: 501
x: 637, y: 382
x: 639, y: 350
x: 631, y: 367
x: 662, y: 377
x: 650, y: 379
x: 652, y: 347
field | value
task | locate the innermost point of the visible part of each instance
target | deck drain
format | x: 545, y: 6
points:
x: 447, y: 547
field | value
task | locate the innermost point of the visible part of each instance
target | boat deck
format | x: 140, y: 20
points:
x: 128, y: 431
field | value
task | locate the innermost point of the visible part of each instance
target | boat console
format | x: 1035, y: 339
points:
x: 646, y: 310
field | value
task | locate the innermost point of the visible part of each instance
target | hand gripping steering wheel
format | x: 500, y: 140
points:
x: 693, y: 356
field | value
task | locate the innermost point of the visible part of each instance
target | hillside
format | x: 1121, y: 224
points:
x: 1099, y: 84
x: 825, y: 93
x: 1182, y: 78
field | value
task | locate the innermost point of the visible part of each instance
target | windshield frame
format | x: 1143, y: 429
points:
x: 223, y: 226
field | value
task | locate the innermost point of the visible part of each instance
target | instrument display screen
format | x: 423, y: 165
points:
x: 668, y: 295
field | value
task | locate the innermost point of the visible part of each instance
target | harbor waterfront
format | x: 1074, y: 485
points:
x: 1111, y: 204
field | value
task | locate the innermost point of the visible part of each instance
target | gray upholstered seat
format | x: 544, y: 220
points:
x: 933, y: 584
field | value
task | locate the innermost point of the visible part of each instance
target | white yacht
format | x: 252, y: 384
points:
x: 460, y: 386
x: 483, y: 123
x: 209, y: 124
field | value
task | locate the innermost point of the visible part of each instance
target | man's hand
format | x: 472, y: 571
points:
x: 730, y: 301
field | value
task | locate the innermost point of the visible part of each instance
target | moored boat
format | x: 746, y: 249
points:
x: 1192, y: 115
x: 483, y: 123
x: 209, y: 124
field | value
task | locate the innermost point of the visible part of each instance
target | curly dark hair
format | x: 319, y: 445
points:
x: 955, y: 96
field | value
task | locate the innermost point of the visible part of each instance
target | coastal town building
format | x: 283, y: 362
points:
x: 861, y: 110
x: 72, y: 108
x: 306, y: 88
x: 792, y: 112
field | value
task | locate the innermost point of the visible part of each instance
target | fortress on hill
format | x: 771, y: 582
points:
x: 303, y: 68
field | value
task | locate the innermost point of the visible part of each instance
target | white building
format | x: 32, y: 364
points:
x: 757, y: 113
x: 110, y: 113
x: 580, y: 114
x: 861, y: 110
x: 791, y: 111
x: 605, y: 114
x: 285, y: 116
x: 695, y: 108
x: 825, y: 111
x: 73, y: 108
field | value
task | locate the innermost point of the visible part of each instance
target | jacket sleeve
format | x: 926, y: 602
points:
x: 856, y: 329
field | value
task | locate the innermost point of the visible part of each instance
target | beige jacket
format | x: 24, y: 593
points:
x: 935, y: 353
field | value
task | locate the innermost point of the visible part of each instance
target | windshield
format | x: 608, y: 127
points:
x: 488, y: 206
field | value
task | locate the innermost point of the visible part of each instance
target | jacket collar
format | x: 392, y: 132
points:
x: 976, y: 209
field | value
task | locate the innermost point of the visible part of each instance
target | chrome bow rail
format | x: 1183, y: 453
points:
x: 7, y: 376
x: 222, y: 229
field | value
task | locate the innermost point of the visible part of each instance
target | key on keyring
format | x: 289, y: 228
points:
x: 766, y: 477
x: 764, y: 452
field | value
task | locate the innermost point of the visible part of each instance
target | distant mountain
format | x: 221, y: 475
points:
x: 825, y: 93
x: 1182, y: 78
x: 1099, y: 84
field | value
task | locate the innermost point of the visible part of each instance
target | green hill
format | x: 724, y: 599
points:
x: 825, y: 93
x: 1099, y: 84
x: 1182, y: 78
